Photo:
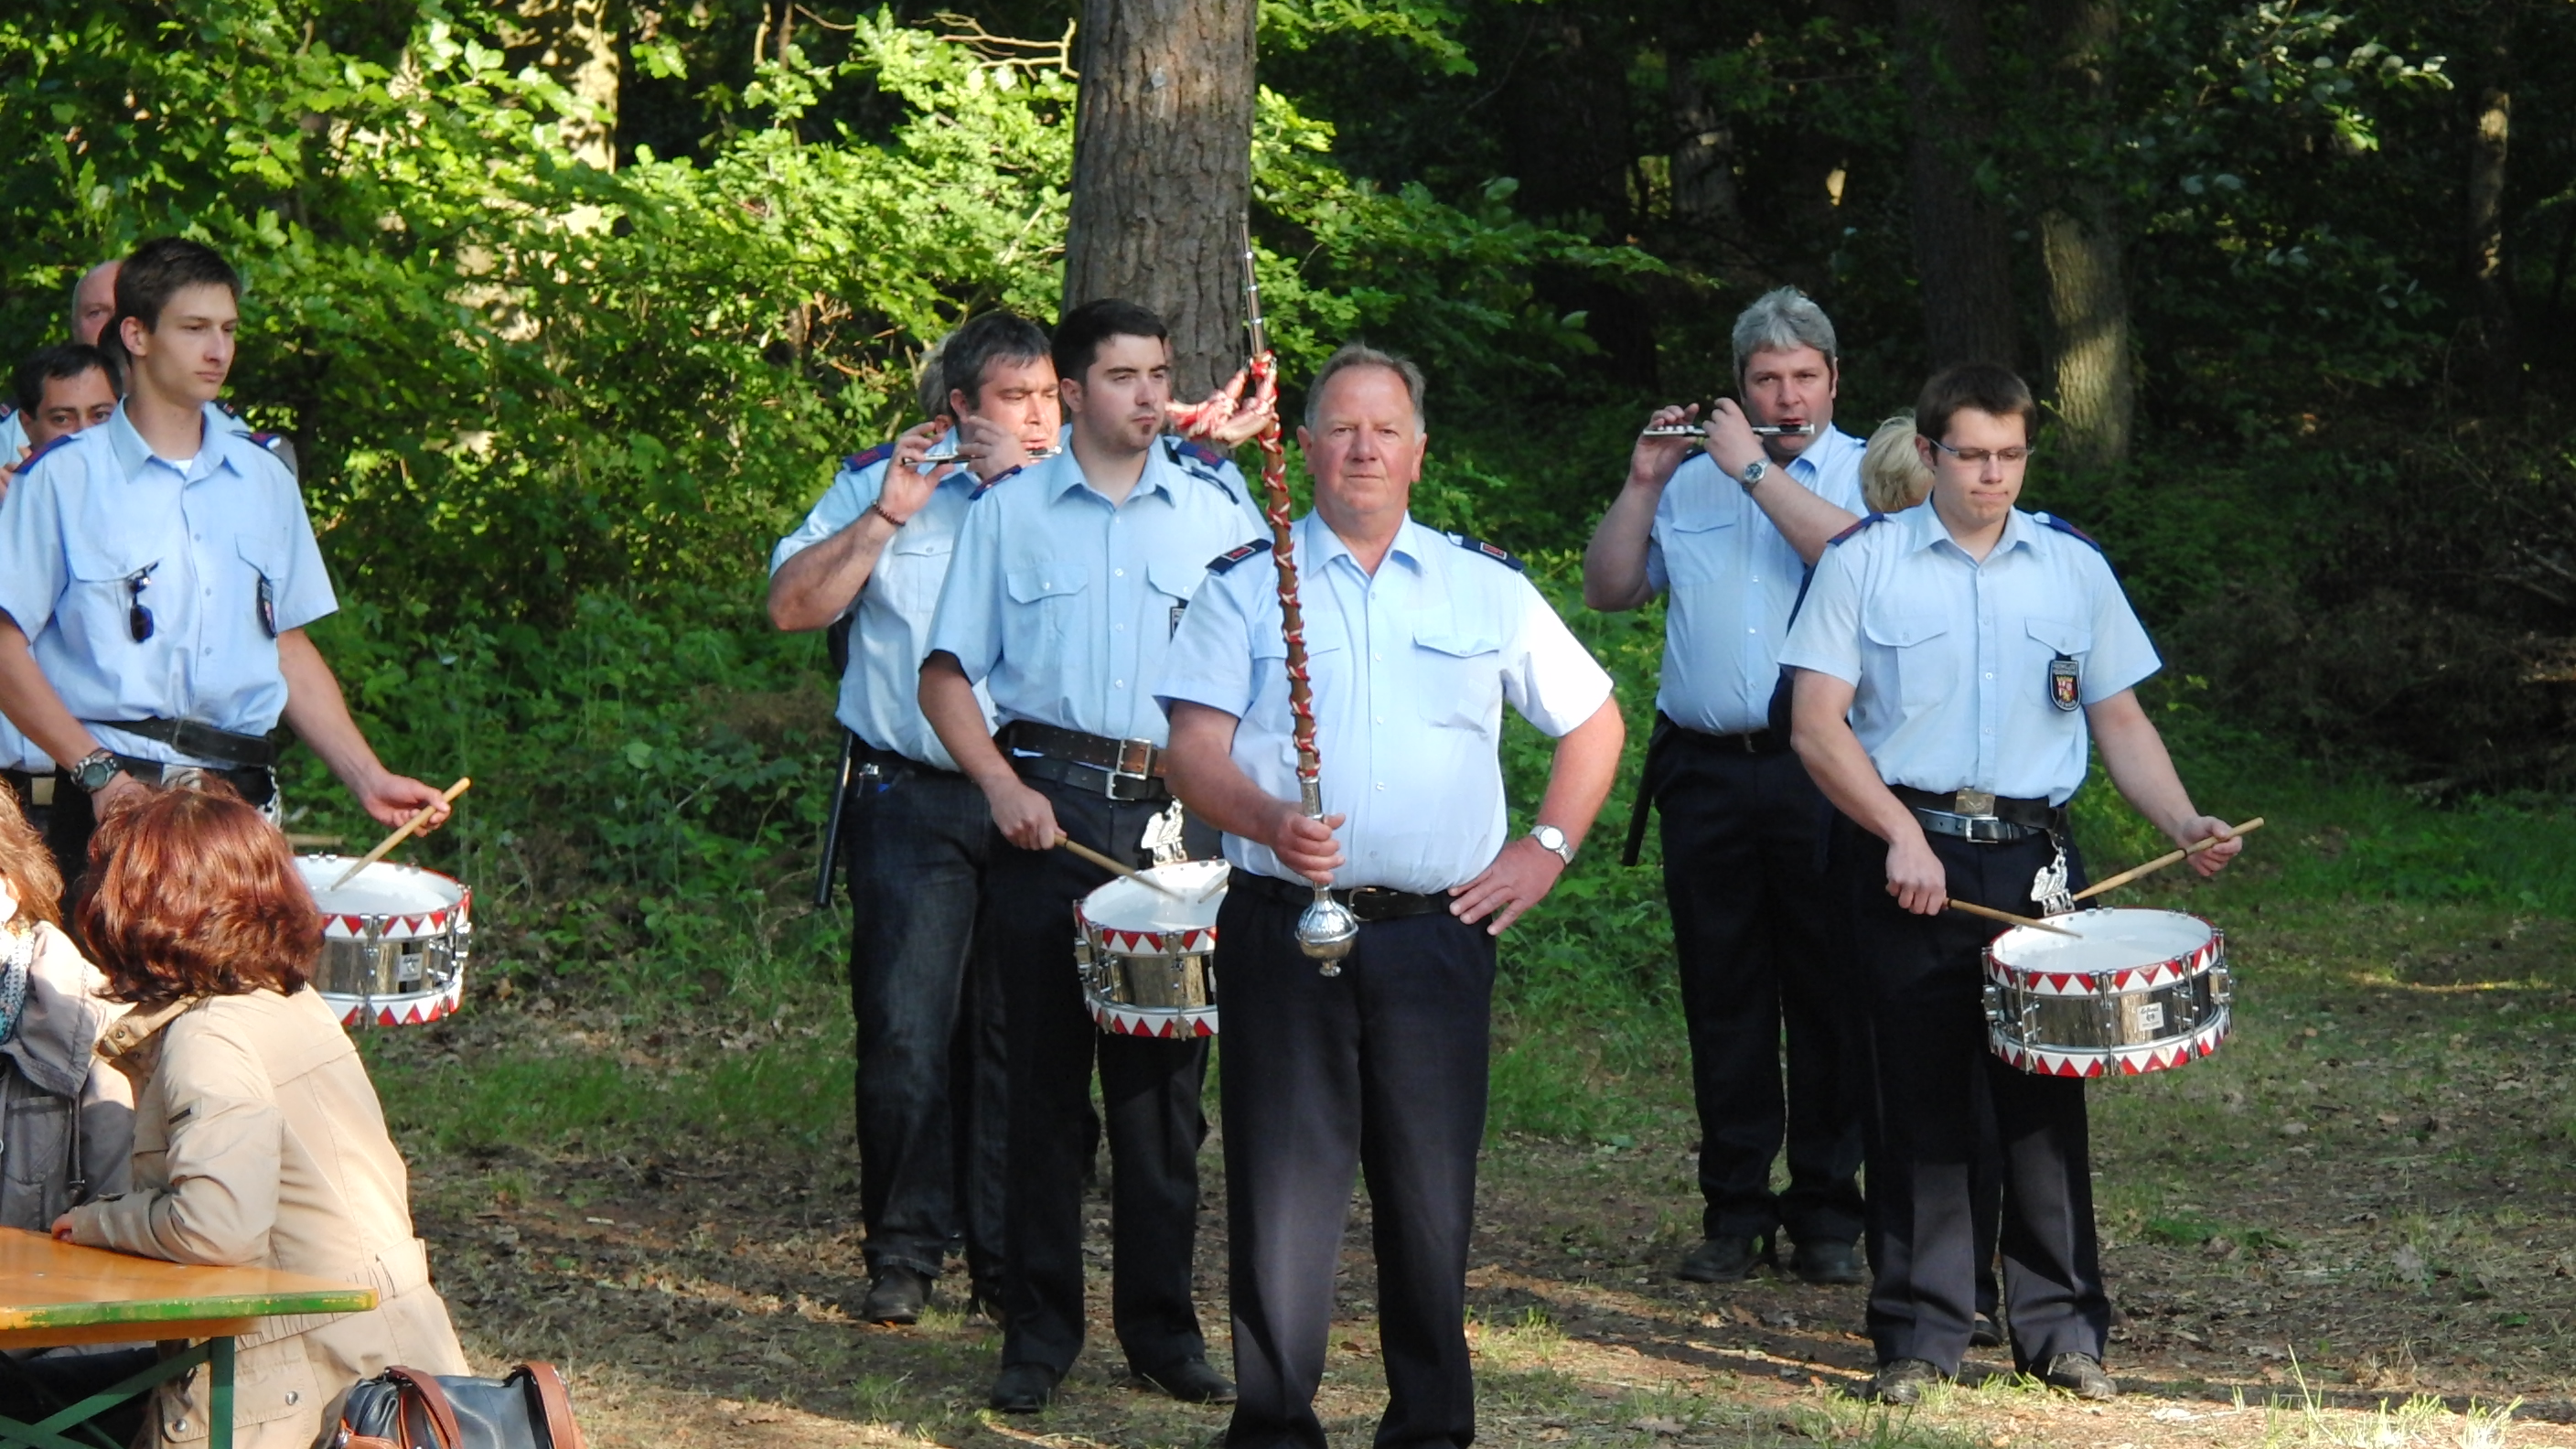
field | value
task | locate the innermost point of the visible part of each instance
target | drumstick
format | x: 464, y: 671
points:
x: 1113, y: 866
x: 1991, y: 914
x: 418, y: 818
x: 2169, y: 857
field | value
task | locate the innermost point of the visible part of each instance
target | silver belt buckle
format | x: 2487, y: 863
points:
x: 1135, y: 760
x: 1975, y: 803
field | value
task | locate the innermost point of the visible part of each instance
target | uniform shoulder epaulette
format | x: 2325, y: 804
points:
x: 1493, y: 551
x: 228, y: 410
x: 38, y: 456
x: 1198, y: 452
x: 989, y: 484
x: 868, y: 459
x: 1855, y: 530
x: 268, y: 441
x: 2071, y: 531
x: 1233, y: 556
x: 7, y: 412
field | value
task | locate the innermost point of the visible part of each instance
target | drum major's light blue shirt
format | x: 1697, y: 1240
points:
x: 1411, y: 669
x: 1730, y: 581
x: 1950, y: 657
x: 97, y: 511
x: 1064, y: 604
x: 881, y: 690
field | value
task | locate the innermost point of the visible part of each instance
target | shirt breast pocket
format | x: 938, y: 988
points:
x: 1918, y: 650
x: 2050, y: 641
x: 1046, y: 604
x: 1459, y: 682
x: 1175, y: 584
x: 914, y: 570
x: 102, y: 593
x: 1697, y: 549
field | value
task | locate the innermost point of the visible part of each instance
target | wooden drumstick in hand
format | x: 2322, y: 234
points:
x: 403, y: 833
x: 2169, y: 857
x: 1113, y: 866
x: 2008, y: 918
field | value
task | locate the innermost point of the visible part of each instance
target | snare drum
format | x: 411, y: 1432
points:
x: 394, y: 941
x: 1147, y: 956
x: 2144, y: 990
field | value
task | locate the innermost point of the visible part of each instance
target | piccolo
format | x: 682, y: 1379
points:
x: 1760, y: 430
x: 1034, y: 455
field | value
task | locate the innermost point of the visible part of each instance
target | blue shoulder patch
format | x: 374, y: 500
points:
x: 1495, y: 552
x: 7, y: 412
x: 268, y: 441
x: 1233, y: 556
x: 1854, y: 531
x: 2071, y: 531
x: 868, y: 459
x: 989, y: 484
x: 38, y: 456
x: 1197, y: 452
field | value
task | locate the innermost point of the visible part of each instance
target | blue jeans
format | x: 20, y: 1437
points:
x: 931, y: 1081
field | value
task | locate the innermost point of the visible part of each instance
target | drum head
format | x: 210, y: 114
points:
x: 1193, y: 891
x: 405, y: 900
x: 2111, y: 940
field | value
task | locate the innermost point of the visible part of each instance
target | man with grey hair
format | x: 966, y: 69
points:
x: 1727, y: 531
x: 1418, y: 639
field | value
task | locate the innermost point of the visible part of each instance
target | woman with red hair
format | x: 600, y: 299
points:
x: 258, y: 1139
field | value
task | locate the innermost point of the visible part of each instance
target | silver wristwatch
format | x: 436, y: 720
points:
x: 1754, y: 472
x: 1551, y: 838
x: 94, y: 770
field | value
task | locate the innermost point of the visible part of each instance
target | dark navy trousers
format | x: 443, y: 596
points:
x: 1380, y: 1070
x: 1149, y: 1092
x: 1764, y: 977
x: 1927, y: 1045
x: 931, y: 1083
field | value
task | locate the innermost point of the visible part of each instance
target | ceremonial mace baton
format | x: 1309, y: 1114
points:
x: 1326, y: 929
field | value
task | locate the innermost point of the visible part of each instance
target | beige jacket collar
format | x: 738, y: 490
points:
x: 133, y: 1044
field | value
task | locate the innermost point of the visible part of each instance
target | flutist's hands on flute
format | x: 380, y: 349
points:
x: 1730, y: 440
x: 906, y: 487
x: 1652, y: 461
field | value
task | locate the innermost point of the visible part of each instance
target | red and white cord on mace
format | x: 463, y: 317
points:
x: 1326, y: 929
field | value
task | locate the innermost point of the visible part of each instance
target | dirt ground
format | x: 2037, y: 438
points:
x: 2350, y: 1227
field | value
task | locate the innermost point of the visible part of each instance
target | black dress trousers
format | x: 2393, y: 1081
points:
x: 1149, y: 1089
x: 1762, y: 970
x: 1927, y: 1044
x: 1381, y: 1070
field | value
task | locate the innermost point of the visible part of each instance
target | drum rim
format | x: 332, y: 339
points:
x: 2217, y: 936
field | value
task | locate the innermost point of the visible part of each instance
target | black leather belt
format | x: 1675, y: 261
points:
x: 191, y: 738
x: 1974, y: 815
x: 255, y: 783
x: 1370, y: 903
x: 892, y: 766
x: 1123, y: 770
x: 1751, y: 742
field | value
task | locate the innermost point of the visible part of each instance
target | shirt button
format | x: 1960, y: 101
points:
x: 1381, y: 784
x: 1122, y: 684
x: 210, y: 651
x: 1123, y: 629
x: 1118, y: 573
x: 1990, y: 674
x: 1381, y: 719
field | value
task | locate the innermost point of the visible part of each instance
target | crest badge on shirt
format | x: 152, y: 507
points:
x: 2065, y: 683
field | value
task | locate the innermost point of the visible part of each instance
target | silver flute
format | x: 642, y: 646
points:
x: 935, y: 455
x: 1760, y: 430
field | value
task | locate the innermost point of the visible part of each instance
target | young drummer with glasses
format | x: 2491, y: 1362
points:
x: 156, y: 576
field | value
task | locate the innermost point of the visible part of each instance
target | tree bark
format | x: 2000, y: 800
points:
x: 1162, y: 172
x: 1703, y: 157
x: 1961, y: 243
x: 2095, y: 381
x: 573, y: 42
x: 2490, y: 146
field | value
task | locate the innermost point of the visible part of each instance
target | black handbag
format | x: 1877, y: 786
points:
x: 406, y: 1409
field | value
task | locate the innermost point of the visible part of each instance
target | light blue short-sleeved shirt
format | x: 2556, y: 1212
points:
x: 13, y: 435
x: 1951, y: 659
x: 1730, y: 581
x: 17, y: 752
x: 96, y: 515
x: 1411, y: 670
x: 1063, y: 604
x: 881, y: 690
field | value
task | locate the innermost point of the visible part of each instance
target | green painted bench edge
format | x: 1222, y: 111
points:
x: 165, y: 1310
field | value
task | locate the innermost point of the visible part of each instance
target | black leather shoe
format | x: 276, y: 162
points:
x: 1721, y: 1260
x: 1024, y: 1388
x: 1985, y: 1333
x: 896, y: 1295
x: 2080, y: 1374
x: 1192, y: 1382
x: 1903, y: 1382
x: 1827, y: 1263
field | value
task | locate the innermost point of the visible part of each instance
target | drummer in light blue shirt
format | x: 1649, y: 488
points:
x: 1952, y: 662
x: 157, y: 573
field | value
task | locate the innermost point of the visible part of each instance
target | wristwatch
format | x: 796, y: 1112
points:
x: 1551, y: 838
x: 94, y: 770
x: 1754, y: 472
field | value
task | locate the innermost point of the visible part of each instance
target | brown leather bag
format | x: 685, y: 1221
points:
x: 404, y: 1408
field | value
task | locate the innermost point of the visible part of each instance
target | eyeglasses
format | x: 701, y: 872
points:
x: 138, y: 619
x: 1976, y: 457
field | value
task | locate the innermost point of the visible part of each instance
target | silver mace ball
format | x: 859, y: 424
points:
x: 1326, y: 931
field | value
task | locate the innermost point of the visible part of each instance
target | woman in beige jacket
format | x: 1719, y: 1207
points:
x: 258, y: 1140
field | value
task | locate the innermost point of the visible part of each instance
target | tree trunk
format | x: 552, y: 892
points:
x: 2096, y: 375
x: 1703, y: 156
x: 1162, y: 172
x: 573, y: 42
x: 1961, y: 243
x: 2499, y: 364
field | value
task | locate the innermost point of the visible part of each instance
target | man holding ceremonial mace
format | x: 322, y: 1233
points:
x: 1375, y: 1059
